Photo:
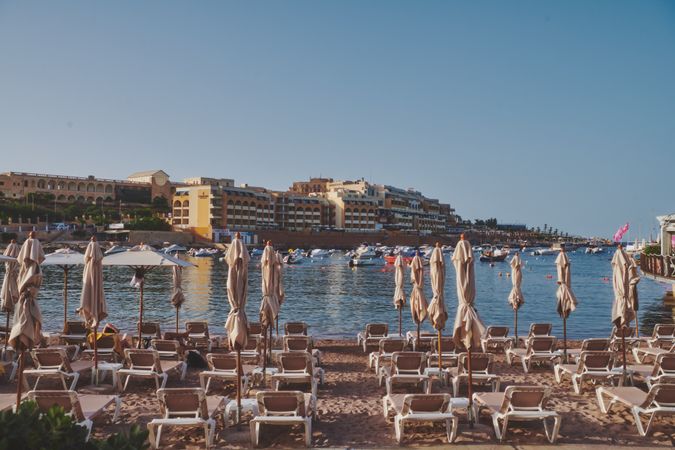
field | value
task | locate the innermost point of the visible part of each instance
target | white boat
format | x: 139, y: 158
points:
x: 365, y: 252
x: 116, y: 249
x: 256, y: 252
x: 544, y: 252
x: 319, y: 253
x: 359, y: 262
x: 594, y: 250
x: 174, y: 248
x: 293, y: 258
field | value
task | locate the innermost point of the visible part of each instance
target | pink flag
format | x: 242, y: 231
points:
x: 620, y: 232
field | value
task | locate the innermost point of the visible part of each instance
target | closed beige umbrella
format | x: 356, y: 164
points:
x: 93, y: 308
x: 567, y: 302
x: 279, y: 284
x: 437, y: 312
x: 10, y: 284
x: 516, y: 298
x: 177, y: 296
x: 269, y: 306
x: 237, y: 259
x: 634, y: 279
x: 418, y: 301
x: 468, y: 327
x: 622, y: 311
x: 399, y: 292
x: 27, y: 328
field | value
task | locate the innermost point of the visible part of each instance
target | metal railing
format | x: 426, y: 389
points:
x: 658, y: 265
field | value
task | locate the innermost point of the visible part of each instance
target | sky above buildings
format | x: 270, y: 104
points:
x: 559, y: 113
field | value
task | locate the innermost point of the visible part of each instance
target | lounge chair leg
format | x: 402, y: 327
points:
x: 76, y: 377
x: 165, y: 377
x: 526, y: 365
x: 601, y: 401
x: 399, y: 428
x: 159, y: 436
x: 308, y: 432
x: 385, y: 408
x: 495, y: 424
x: 576, y: 383
x: 151, y: 435
x: 183, y: 372
x: 126, y: 383
x: 556, y: 372
x: 638, y: 421
x: 118, y: 404
x: 451, y: 427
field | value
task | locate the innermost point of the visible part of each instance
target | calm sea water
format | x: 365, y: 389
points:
x: 337, y: 300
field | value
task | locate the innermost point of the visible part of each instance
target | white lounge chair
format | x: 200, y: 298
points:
x: 595, y: 366
x: 406, y: 368
x: 223, y: 367
x: 283, y: 408
x: 295, y: 328
x: 449, y: 353
x: 641, y: 353
x: 589, y: 345
x: 144, y: 363
x: 518, y: 403
x: 54, y: 363
x: 536, y: 330
x: 372, y: 335
x: 537, y: 349
x: 297, y: 368
x: 482, y: 365
x: 198, y: 334
x: 496, y: 338
x: 385, y: 349
x: 663, y: 367
x: 301, y: 343
x: 185, y: 407
x: 421, y: 408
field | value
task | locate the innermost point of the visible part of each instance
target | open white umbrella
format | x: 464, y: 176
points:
x: 93, y: 308
x: 468, y: 327
x: 438, y: 315
x: 66, y: 259
x: 237, y: 259
x: 27, y: 328
x: 399, y: 291
x: 269, y: 305
x: 9, y: 294
x: 418, y: 301
x: 622, y: 311
x: 177, y: 296
x: 566, y: 301
x: 516, y: 298
x: 142, y: 258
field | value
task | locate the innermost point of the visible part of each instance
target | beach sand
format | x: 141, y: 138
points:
x: 350, y: 413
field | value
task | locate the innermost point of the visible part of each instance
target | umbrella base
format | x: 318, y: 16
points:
x: 101, y: 389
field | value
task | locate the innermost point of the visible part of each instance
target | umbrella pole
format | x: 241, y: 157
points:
x: 176, y: 320
x: 19, y: 382
x: 565, y: 339
x: 238, y: 385
x: 418, y: 344
x: 95, y: 354
x: 623, y: 346
x: 265, y: 352
x: 65, y: 298
x: 140, y: 320
x: 440, y: 355
x: 470, y: 387
x: 270, y: 346
x: 400, y: 322
x: 277, y: 325
x: 7, y: 331
x: 637, y: 325
x: 515, y: 324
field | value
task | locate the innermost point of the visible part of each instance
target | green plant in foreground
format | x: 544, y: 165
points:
x: 30, y: 429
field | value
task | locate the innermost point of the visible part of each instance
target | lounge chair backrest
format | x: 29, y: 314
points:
x: 75, y: 327
x: 254, y: 328
x: 165, y: 345
x: 496, y: 332
x: 376, y: 330
x: 224, y: 362
x: 199, y: 327
x: 68, y: 400
x: 142, y: 359
x: 595, y: 361
x: 480, y: 363
x: 150, y: 328
x: 623, y: 331
x: 540, y: 329
x: 252, y: 344
x: 425, y: 403
x: 524, y: 398
x: 595, y: 345
x: 296, y: 362
x: 541, y: 344
x: 447, y: 345
x: 660, y: 394
x: 408, y: 362
x: 391, y: 345
x: 281, y: 403
x: 106, y: 341
x: 664, y: 365
x: 51, y: 358
x: 291, y: 328
x: 183, y: 402
x: 297, y: 343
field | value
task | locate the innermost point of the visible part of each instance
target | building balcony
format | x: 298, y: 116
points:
x: 658, y: 267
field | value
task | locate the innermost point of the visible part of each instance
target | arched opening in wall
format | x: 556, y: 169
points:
x: 41, y: 184
x: 108, y: 188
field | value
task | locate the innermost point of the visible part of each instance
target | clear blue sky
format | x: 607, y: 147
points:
x: 529, y: 112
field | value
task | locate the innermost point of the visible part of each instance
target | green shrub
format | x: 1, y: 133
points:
x: 29, y: 429
x: 652, y: 250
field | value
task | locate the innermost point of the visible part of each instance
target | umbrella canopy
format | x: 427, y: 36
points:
x: 177, y: 296
x: 64, y: 257
x: 516, y: 298
x: 622, y: 311
x: 269, y: 306
x: 468, y: 327
x: 437, y: 312
x: 633, y: 280
x: 418, y: 302
x: 237, y: 259
x: 27, y: 328
x: 143, y: 256
x: 399, y: 279
x: 279, y: 279
x: 567, y: 302
x: 10, y: 287
x: 92, y: 308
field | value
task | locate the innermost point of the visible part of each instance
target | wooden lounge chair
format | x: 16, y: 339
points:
x: 283, y: 408
x: 75, y: 333
x: 496, y: 338
x: 83, y: 408
x: 537, y: 329
x: 54, y: 363
x: 301, y: 343
x: 518, y: 403
x: 595, y: 366
x: 616, y: 340
x: 385, y: 349
x: 145, y: 363
x: 223, y: 367
x: 106, y: 346
x: 663, y: 367
x: 168, y: 349
x: 297, y: 368
x: 663, y: 336
x: 660, y: 400
x: 537, y: 349
x: 185, y: 407
x: 641, y: 353
x: 421, y: 408
x: 424, y: 340
x: 449, y: 353
x: 406, y: 368
x: 482, y: 365
x: 372, y: 335
x: 252, y: 350
x: 150, y: 330
x: 198, y: 334
x: 293, y: 328
x: 589, y: 345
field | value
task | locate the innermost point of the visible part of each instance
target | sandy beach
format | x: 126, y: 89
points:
x: 350, y: 413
